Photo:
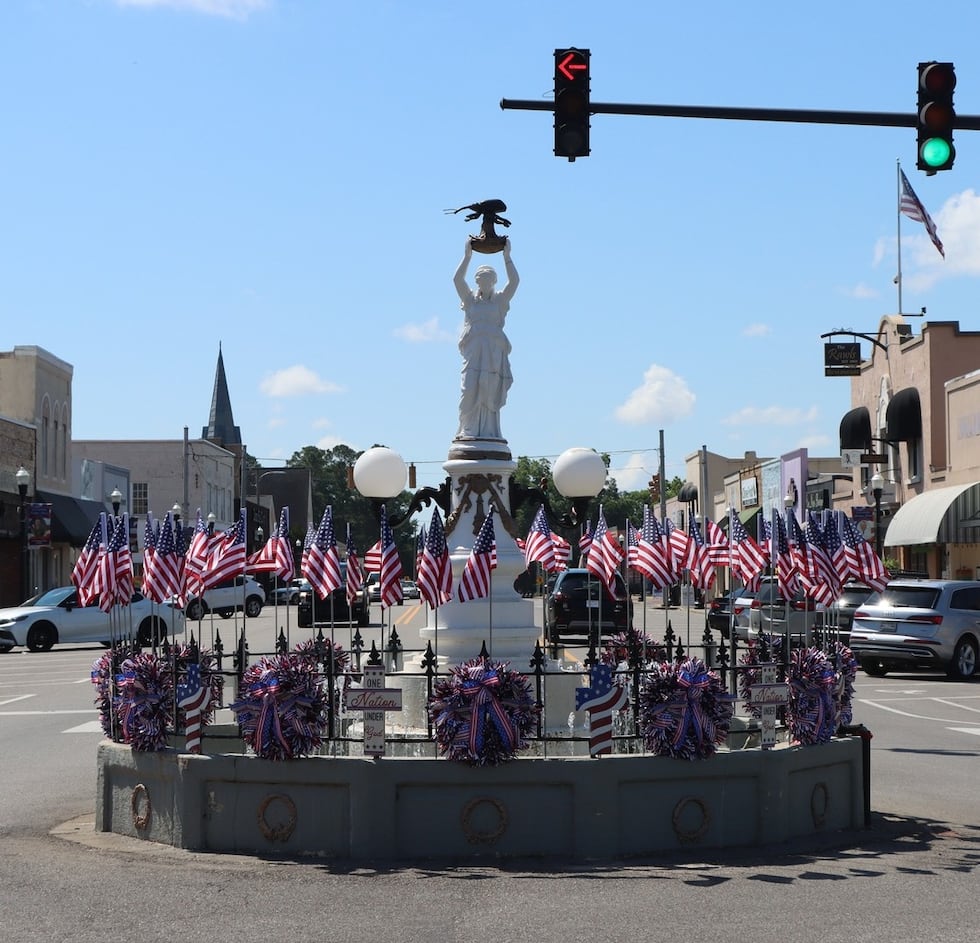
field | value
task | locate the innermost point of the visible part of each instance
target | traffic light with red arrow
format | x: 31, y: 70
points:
x: 572, y: 103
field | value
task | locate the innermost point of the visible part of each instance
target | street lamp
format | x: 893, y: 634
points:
x: 116, y: 499
x: 211, y: 520
x: 23, y: 478
x: 877, y: 486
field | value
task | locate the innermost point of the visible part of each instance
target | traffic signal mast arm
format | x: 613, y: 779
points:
x: 881, y: 119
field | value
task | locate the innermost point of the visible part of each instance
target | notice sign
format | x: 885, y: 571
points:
x: 768, y: 695
x: 842, y: 360
x: 375, y: 700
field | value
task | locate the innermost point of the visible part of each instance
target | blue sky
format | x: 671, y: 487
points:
x: 271, y: 175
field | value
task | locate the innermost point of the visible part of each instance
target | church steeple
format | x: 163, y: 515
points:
x: 221, y: 428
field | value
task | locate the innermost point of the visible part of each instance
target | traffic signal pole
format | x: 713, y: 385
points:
x: 882, y: 119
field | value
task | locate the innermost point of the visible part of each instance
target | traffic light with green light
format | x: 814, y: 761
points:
x: 936, y: 116
x: 572, y: 103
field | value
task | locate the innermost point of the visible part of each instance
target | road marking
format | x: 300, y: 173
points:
x: 19, y: 697
x: 940, y: 700
x: 405, y: 617
x: 973, y: 730
x: 93, y: 726
x: 87, y: 710
x: 895, y: 710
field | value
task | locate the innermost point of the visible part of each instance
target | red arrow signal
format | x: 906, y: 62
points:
x: 568, y: 66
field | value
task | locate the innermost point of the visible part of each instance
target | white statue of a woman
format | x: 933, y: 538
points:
x: 486, y: 376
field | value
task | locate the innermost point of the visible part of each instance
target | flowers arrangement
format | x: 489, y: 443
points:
x: 135, y: 693
x: 281, y: 708
x: 482, y: 713
x: 684, y: 710
x: 812, y: 711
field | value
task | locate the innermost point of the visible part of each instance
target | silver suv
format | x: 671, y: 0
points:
x: 914, y: 624
x: 241, y: 592
x: 770, y: 614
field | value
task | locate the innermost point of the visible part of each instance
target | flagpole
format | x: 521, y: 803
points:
x: 898, y: 225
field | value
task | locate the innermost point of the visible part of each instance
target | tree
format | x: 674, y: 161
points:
x: 329, y: 482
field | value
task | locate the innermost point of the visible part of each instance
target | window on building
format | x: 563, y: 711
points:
x: 915, y: 459
x: 45, y: 437
x: 141, y: 498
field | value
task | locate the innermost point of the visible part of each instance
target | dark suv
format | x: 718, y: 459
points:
x: 578, y: 599
x: 311, y: 609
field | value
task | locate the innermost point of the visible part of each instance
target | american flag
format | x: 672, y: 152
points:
x: 150, y: 534
x: 632, y: 545
x: 749, y: 560
x: 372, y: 559
x: 539, y: 544
x: 585, y: 540
x: 474, y: 581
x: 276, y: 556
x: 677, y: 544
x: 605, y: 555
x: 825, y: 583
x: 323, y: 561
x: 601, y: 700
x: 85, y: 573
x: 419, y: 547
x: 227, y: 558
x: 168, y: 568
x: 116, y: 567
x: 435, y: 571
x: 193, y: 699
x: 698, y: 561
x: 196, y: 562
x: 784, y: 562
x: 862, y: 555
x: 563, y: 551
x: 307, y: 543
x: 717, y: 542
x: 390, y: 571
x: 355, y: 575
x: 835, y: 547
x: 912, y: 207
x: 652, y: 559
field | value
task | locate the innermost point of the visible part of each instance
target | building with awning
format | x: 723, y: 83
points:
x: 72, y: 519
x: 915, y: 423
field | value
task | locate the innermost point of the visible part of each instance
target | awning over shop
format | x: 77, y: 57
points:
x: 748, y: 517
x: 72, y: 519
x: 855, y: 430
x: 904, y: 416
x: 937, y: 516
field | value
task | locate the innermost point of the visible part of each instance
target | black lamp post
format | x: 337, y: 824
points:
x: 116, y: 499
x: 877, y: 486
x: 23, y: 478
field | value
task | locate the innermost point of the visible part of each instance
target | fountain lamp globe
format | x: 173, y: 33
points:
x: 579, y: 473
x: 380, y: 473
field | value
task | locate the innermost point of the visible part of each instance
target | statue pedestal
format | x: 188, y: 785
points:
x: 479, y: 471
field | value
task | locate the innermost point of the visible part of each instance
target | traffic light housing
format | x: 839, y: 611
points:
x: 655, y: 489
x: 572, y: 103
x: 936, y: 117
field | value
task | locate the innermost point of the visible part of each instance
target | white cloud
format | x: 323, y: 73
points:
x: 860, y: 292
x: 276, y: 422
x: 662, y: 397
x: 296, y: 381
x: 756, y: 330
x: 232, y: 9
x: 770, y: 416
x: 331, y: 441
x: 423, y: 333
x: 633, y: 475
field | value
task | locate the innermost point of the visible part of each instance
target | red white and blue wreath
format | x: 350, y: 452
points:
x: 199, y: 686
x: 483, y: 712
x: 104, y: 671
x: 685, y: 711
x: 846, y: 666
x: 144, y: 701
x: 281, y: 709
x: 812, y: 711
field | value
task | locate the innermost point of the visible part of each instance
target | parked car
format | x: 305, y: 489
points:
x: 723, y: 611
x: 837, y: 619
x: 575, y: 602
x: 287, y: 595
x: 410, y: 590
x: 242, y: 592
x: 373, y: 585
x: 915, y: 624
x: 55, y: 617
x: 311, y: 609
x: 771, y: 614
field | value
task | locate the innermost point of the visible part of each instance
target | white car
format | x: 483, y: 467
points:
x: 242, y: 592
x: 55, y: 617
